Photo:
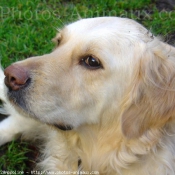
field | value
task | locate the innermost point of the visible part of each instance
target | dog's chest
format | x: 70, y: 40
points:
x: 110, y: 158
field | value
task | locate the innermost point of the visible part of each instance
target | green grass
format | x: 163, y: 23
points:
x: 18, y: 156
x: 14, y: 157
x: 27, y: 27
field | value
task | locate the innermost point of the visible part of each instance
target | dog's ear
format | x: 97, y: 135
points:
x: 150, y: 102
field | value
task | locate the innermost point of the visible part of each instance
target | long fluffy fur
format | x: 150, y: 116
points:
x: 134, y: 133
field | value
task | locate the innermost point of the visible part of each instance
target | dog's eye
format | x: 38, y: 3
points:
x: 91, y: 62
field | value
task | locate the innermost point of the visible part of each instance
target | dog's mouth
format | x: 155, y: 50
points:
x: 64, y: 127
x: 19, y: 100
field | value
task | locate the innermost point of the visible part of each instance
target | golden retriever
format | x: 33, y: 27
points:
x: 110, y: 84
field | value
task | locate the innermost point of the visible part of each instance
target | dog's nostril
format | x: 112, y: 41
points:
x: 13, y: 79
x: 16, y: 77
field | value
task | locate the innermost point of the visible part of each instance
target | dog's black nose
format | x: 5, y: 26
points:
x: 16, y: 77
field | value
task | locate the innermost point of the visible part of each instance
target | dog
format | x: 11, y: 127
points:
x: 103, y: 102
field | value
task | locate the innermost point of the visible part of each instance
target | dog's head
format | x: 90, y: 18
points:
x: 100, y: 66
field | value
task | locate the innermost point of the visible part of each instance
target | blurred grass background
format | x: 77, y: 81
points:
x: 27, y: 27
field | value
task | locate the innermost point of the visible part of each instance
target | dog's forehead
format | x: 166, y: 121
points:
x: 116, y: 24
x: 106, y: 26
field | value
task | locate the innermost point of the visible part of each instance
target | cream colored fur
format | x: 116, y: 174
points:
x: 123, y: 115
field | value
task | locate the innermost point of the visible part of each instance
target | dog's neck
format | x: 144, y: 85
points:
x: 116, y: 151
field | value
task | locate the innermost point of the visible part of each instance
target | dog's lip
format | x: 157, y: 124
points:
x: 63, y: 127
x: 21, y: 108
